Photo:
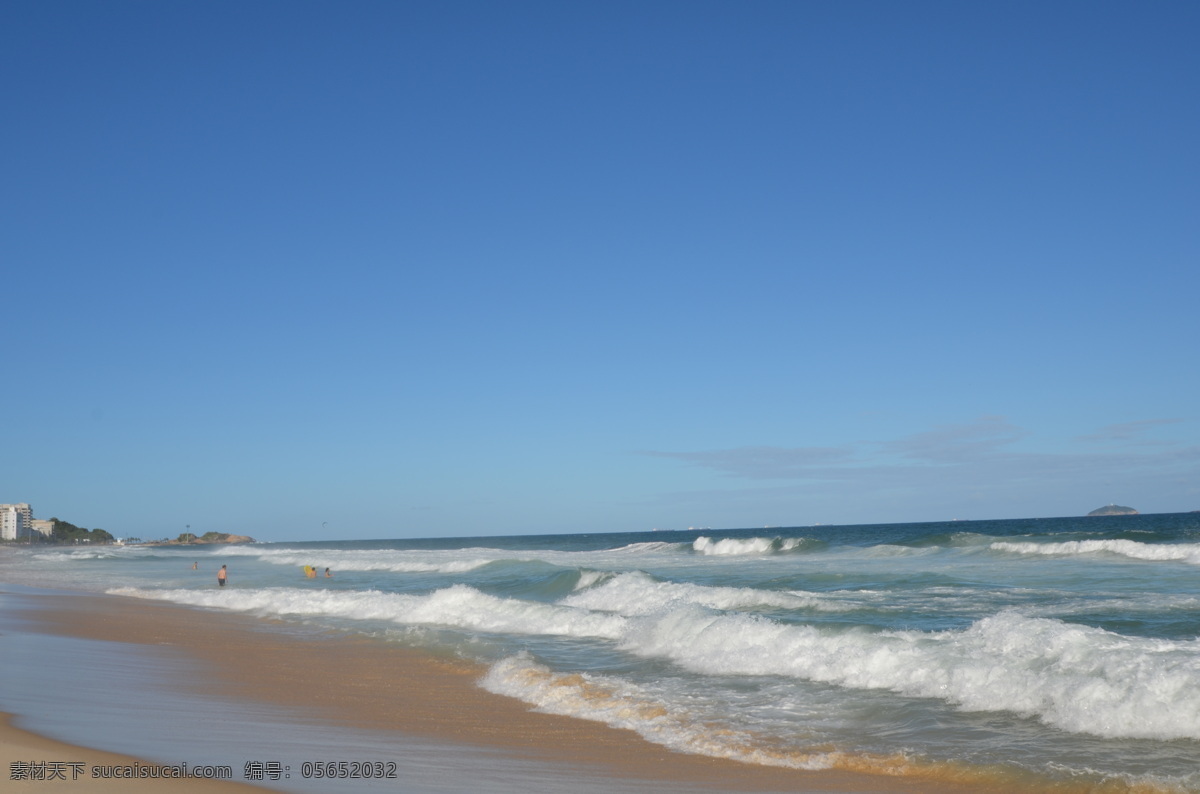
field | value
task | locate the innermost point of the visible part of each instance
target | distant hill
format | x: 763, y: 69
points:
x: 1113, y: 510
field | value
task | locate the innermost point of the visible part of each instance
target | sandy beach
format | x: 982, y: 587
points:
x: 366, y: 684
x: 69, y: 767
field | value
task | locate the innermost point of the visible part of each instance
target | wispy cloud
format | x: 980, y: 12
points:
x: 1130, y: 431
x: 950, y: 444
x: 988, y: 465
x: 958, y: 443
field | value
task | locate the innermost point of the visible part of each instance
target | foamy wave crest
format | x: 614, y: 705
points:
x: 1182, y: 552
x: 649, y: 547
x: 91, y: 553
x: 636, y: 593
x: 458, y: 606
x: 622, y: 704
x: 748, y: 546
x: 373, y: 560
x: 1076, y: 678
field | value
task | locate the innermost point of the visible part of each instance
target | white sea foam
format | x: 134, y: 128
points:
x: 746, y: 546
x: 1112, y: 603
x: 87, y: 553
x: 395, y: 561
x: 449, y: 561
x: 622, y: 704
x: 1184, y: 552
x: 649, y: 547
x: 636, y: 593
x: 685, y: 725
x: 1076, y: 678
x: 459, y: 606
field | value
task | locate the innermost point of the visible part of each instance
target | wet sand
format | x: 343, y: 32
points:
x: 75, y: 765
x: 368, y: 684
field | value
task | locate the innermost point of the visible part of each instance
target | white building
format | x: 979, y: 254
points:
x: 14, y: 521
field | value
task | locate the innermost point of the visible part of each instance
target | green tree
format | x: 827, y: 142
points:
x: 66, y: 532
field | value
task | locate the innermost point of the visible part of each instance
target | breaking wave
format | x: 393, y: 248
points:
x: 1177, y: 552
x: 1077, y: 678
x: 752, y: 546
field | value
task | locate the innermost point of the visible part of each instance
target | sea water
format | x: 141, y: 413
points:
x: 1018, y: 651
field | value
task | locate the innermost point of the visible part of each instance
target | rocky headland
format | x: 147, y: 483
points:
x: 1113, y: 510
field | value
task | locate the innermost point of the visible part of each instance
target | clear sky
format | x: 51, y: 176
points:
x: 343, y: 270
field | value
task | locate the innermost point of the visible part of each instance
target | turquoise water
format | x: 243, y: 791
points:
x: 1058, y: 649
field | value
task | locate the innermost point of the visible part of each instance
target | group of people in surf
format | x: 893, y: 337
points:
x: 222, y: 575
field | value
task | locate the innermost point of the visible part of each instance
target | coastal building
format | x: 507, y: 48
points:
x: 14, y: 521
x: 43, y: 526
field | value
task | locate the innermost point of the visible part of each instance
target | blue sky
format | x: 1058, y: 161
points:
x: 344, y: 270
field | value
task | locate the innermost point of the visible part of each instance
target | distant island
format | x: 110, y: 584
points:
x: 188, y: 539
x: 1113, y: 510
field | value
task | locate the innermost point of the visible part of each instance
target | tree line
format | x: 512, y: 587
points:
x: 66, y: 532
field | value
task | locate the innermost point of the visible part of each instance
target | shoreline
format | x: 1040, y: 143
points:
x: 361, y: 683
x: 76, y: 765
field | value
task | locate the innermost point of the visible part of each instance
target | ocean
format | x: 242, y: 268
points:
x: 1038, y: 650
